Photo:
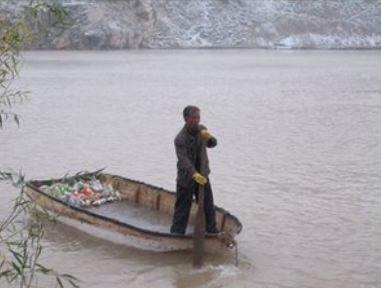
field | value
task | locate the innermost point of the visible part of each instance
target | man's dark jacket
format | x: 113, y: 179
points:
x: 188, y: 150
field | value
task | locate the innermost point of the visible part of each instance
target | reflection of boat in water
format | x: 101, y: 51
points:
x: 141, y: 219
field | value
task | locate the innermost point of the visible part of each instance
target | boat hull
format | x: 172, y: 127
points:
x: 123, y: 233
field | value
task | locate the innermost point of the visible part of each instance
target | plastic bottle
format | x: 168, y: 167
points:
x: 117, y: 195
x: 99, y: 202
x: 87, y: 190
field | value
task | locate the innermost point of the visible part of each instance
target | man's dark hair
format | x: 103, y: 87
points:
x: 190, y: 109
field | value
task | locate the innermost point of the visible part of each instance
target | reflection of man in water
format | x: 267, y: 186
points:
x: 188, y: 150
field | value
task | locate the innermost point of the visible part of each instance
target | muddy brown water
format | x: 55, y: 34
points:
x: 298, y: 158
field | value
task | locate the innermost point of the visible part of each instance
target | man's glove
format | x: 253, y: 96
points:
x: 199, y: 178
x: 205, y: 135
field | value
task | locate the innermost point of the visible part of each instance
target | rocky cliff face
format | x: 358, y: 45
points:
x: 117, y: 24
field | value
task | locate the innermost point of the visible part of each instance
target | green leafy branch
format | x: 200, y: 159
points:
x: 16, y: 35
x: 20, y: 241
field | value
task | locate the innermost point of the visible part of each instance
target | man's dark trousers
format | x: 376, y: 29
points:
x: 184, y: 196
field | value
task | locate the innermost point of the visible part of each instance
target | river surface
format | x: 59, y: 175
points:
x: 298, y: 159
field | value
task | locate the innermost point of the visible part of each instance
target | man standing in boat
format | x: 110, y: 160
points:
x: 188, y: 145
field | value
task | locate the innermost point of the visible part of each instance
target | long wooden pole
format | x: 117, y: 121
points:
x: 199, y: 229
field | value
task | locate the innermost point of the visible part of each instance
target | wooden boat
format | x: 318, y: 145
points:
x: 153, y: 201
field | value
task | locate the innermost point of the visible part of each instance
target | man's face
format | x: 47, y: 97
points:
x: 193, y: 120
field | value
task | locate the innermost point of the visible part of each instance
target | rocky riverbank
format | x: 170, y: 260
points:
x: 124, y: 24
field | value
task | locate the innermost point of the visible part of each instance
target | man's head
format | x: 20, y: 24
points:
x: 191, y: 116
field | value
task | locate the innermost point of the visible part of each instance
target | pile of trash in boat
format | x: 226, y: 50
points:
x: 83, y: 193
